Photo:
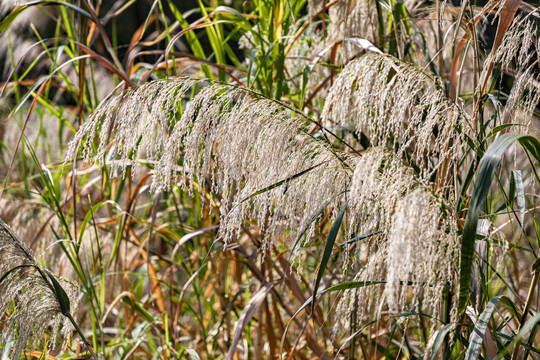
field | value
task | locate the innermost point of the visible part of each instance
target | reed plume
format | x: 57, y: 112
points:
x: 397, y: 105
x: 226, y: 138
x: 414, y: 243
x: 30, y: 300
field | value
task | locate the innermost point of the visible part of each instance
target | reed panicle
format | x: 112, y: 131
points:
x: 255, y: 144
x: 398, y: 105
x: 28, y: 302
x: 379, y: 180
x: 347, y: 20
x: 518, y: 55
x: 422, y: 251
x: 415, y: 244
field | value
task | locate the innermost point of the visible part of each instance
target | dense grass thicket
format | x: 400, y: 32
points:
x: 269, y: 179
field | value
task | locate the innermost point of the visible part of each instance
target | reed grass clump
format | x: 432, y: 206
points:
x: 259, y: 162
x: 337, y: 178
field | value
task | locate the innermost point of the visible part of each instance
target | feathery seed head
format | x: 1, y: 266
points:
x: 28, y: 303
x: 398, y: 104
x: 516, y: 54
x: 423, y: 248
x: 239, y: 145
x: 379, y: 180
x: 348, y: 19
x: 415, y: 245
x: 227, y: 137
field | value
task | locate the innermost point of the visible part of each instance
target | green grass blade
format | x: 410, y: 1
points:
x: 475, y: 341
x: 305, y: 80
x: 19, y: 9
x: 228, y: 10
x: 368, y: 325
x: 346, y: 285
x: 486, y: 171
x: 528, y: 347
x: 440, y: 338
x: 281, y: 182
x: 328, y: 250
x: 313, y: 218
x: 61, y: 296
x: 358, y: 238
x: 128, y: 300
x: 511, y: 307
x: 6, y: 274
x: 532, y: 322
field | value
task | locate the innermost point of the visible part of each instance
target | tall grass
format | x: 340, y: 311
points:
x: 272, y: 179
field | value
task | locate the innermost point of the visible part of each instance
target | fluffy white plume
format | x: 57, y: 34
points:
x: 423, y: 251
x: 397, y: 104
x: 414, y: 244
x: 240, y: 143
x: 26, y: 297
x: 258, y: 159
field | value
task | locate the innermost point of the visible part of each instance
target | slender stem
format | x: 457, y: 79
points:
x: 439, y: 40
x: 532, y: 287
x: 86, y: 343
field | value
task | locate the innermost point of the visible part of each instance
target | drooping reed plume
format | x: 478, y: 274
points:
x: 414, y: 245
x: 225, y: 136
x: 29, y: 300
x: 518, y: 55
x: 398, y: 105
x: 259, y: 160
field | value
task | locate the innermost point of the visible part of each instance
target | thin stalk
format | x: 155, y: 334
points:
x: 86, y: 343
x: 439, y: 40
x: 476, y: 95
x: 447, y: 308
x: 532, y: 287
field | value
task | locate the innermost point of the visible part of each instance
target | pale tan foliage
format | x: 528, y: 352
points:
x: 257, y: 160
